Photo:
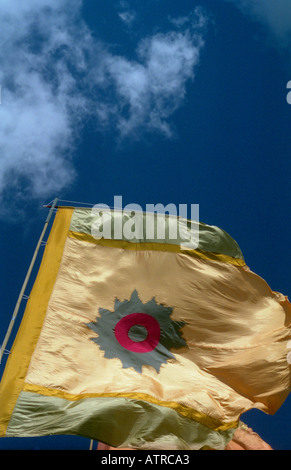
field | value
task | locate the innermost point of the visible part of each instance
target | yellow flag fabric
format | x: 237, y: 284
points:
x: 144, y: 343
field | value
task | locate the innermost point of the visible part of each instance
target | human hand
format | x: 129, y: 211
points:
x: 247, y: 439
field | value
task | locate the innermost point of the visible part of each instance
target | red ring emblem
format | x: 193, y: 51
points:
x: 143, y: 319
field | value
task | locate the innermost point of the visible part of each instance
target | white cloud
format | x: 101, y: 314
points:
x: 275, y: 14
x: 126, y: 14
x: 197, y: 19
x: 54, y: 75
x: 152, y: 88
x: 34, y: 132
x: 127, y: 17
x: 39, y: 94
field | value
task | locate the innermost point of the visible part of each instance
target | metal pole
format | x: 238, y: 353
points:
x: 16, y: 309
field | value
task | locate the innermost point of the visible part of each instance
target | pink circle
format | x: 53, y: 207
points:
x: 143, y: 319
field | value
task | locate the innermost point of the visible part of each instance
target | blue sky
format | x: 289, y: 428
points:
x: 157, y: 101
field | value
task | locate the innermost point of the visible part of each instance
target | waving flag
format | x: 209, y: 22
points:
x: 144, y: 342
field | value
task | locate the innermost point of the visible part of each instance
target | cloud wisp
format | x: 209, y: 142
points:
x: 126, y: 14
x: 151, y: 88
x: 273, y: 14
x: 55, y: 74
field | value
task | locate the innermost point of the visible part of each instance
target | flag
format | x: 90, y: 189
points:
x: 144, y: 342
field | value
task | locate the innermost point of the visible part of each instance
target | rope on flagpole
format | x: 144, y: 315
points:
x: 78, y: 202
x: 71, y: 202
x: 21, y: 295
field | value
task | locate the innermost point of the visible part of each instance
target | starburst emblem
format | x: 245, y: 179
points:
x: 138, y: 334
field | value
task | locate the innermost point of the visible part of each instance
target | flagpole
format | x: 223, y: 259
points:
x: 16, y: 309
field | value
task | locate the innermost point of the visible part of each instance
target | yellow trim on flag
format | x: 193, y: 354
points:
x: 151, y: 246
x: 183, y: 410
x: 30, y: 328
